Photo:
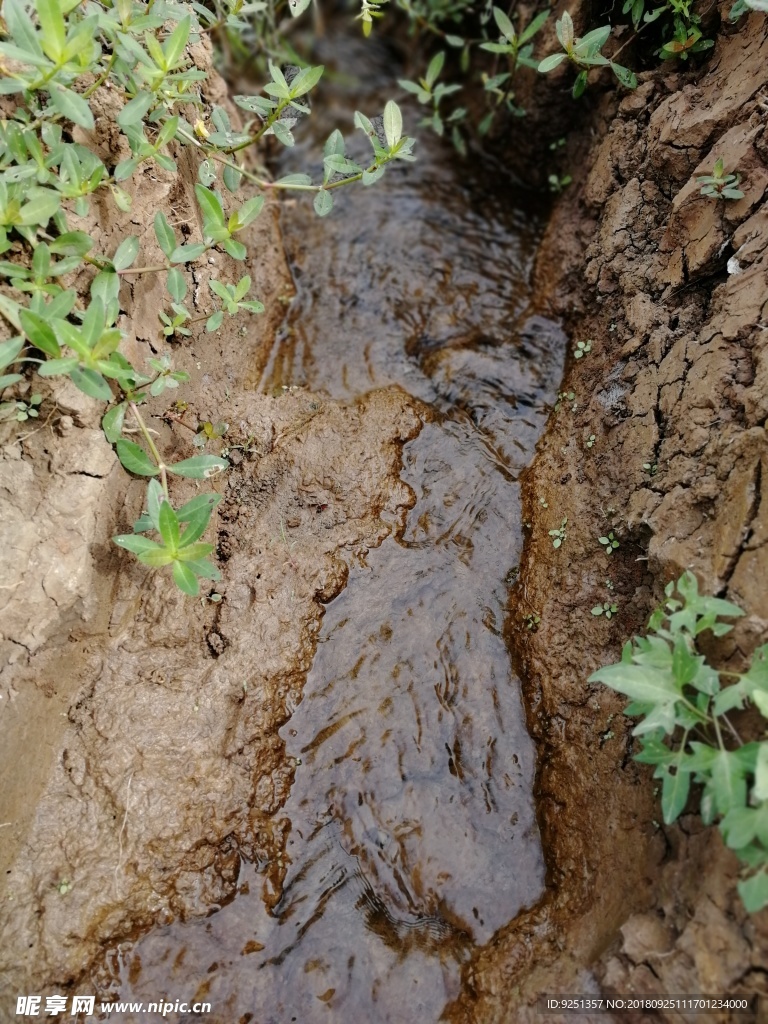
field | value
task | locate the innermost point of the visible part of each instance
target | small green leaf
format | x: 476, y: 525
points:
x: 393, y: 124
x: 91, y: 383
x: 199, y: 467
x: 112, y: 423
x: 137, y: 545
x: 39, y: 332
x: 71, y: 105
x: 166, y: 237
x: 754, y: 891
x: 211, y: 206
x: 177, y: 41
x: 126, y: 253
x: 323, y: 203
x: 168, y: 526
x: 187, y: 253
x: 551, y: 62
x: 135, y: 110
x: 40, y: 209
x: 135, y: 459
x: 234, y: 248
x: 9, y: 350
x: 185, y: 579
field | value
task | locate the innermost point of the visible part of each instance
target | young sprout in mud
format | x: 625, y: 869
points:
x: 582, y: 349
x: 532, y: 620
x: 589, y: 443
x: 21, y: 410
x: 681, y: 707
x: 606, y: 608
x: 650, y: 468
x: 557, y: 182
x: 609, y: 543
x: 559, y: 534
x: 543, y: 503
x: 565, y: 396
x: 719, y: 185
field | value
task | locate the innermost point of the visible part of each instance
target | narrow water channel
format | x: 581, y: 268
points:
x: 413, y: 832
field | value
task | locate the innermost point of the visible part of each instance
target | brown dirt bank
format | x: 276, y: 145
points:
x: 638, y: 262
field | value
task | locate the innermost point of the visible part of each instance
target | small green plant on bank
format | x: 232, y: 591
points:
x: 55, y: 57
x: 606, y: 608
x: 590, y: 442
x: 609, y: 543
x: 532, y: 620
x: 558, y: 182
x: 686, y: 35
x: 559, y: 535
x: 651, y: 468
x: 582, y: 349
x: 684, y: 728
x: 21, y: 410
x: 585, y: 53
x: 565, y: 397
x: 720, y: 185
x: 431, y: 93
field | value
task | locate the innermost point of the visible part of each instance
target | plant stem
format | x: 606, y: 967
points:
x: 152, y: 447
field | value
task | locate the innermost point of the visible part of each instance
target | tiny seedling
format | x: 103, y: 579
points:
x: 532, y: 620
x: 650, y: 468
x: 719, y: 185
x: 606, y: 608
x: 609, y: 543
x: 557, y: 182
x: 543, y: 503
x: 582, y: 348
x: 21, y: 410
x: 559, y: 535
x: 609, y: 584
x: 565, y: 397
x: 590, y: 441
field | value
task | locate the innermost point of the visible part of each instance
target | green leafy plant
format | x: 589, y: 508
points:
x: 565, y: 397
x: 21, y: 410
x: 177, y: 547
x: 559, y: 535
x: 719, y: 184
x: 684, y: 728
x: 609, y: 543
x: 606, y: 608
x: 585, y: 53
x: 430, y: 92
x: 55, y: 57
x: 558, y: 182
x: 582, y: 349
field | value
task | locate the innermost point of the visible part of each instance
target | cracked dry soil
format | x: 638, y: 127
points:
x: 139, y: 744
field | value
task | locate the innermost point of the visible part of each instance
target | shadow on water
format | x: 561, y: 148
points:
x: 412, y: 821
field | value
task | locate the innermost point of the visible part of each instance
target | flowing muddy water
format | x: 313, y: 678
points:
x: 412, y: 822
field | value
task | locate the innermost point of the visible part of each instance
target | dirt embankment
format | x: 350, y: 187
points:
x: 139, y: 743
x: 660, y: 437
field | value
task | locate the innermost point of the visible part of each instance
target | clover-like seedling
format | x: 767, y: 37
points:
x: 719, y: 185
x: 606, y: 608
x: 609, y: 543
x: 582, y: 349
x: 590, y: 441
x: 650, y: 468
x: 559, y: 535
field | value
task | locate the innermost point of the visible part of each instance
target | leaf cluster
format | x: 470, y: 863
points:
x: 683, y: 726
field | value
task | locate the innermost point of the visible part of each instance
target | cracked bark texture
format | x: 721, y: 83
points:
x: 672, y: 289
